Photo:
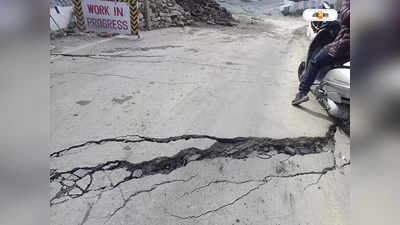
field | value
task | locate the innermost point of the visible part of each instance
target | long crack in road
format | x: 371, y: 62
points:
x: 236, y: 148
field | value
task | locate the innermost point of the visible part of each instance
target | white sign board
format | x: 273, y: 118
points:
x: 106, y: 16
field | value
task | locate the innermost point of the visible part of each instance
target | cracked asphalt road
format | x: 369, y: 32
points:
x: 192, y: 126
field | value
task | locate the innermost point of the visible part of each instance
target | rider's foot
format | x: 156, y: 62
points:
x: 300, y: 98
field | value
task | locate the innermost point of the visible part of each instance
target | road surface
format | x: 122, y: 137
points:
x: 192, y: 125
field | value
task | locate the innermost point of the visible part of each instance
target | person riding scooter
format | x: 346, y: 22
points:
x: 337, y: 51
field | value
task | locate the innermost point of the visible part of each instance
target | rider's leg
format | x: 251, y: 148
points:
x: 319, y: 61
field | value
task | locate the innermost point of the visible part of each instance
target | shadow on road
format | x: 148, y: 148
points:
x: 316, y: 114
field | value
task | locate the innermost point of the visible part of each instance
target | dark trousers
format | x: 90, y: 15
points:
x: 320, y: 60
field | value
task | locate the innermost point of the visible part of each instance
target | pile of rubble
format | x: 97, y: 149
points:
x: 167, y: 13
x: 207, y: 11
x: 164, y: 13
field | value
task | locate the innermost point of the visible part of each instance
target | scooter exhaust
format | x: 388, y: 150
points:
x: 335, y: 110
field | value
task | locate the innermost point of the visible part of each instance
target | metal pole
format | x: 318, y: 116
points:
x: 147, y: 14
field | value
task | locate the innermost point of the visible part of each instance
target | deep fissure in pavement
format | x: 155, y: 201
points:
x: 235, y: 148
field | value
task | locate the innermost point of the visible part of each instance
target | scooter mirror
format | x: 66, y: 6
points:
x: 326, y: 5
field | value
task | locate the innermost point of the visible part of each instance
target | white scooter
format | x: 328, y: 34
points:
x: 332, y: 86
